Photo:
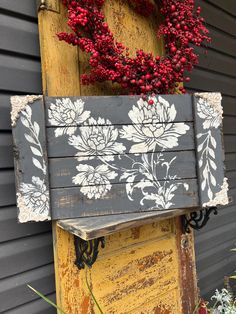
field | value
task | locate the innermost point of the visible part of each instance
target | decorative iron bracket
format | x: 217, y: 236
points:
x: 87, y: 251
x: 197, y: 220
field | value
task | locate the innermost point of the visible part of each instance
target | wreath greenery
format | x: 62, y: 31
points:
x: 144, y: 74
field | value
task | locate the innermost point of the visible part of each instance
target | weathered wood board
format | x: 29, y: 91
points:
x: 30, y: 158
x: 118, y: 154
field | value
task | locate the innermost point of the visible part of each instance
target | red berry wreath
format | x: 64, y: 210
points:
x: 144, y: 74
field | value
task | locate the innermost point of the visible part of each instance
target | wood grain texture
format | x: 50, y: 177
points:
x: 116, y: 108
x: 70, y: 202
x: 30, y: 158
x: 92, y: 228
x: 62, y: 170
x: 72, y: 294
x: 59, y: 147
x: 213, y: 185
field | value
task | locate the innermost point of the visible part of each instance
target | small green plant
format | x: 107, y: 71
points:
x: 60, y: 309
x: 234, y: 277
x: 47, y: 300
x: 223, y: 304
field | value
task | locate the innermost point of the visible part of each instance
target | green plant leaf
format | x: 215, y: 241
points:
x: 46, y: 299
x: 93, y: 297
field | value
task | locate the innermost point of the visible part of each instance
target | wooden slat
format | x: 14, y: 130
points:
x: 59, y: 147
x: 18, y: 36
x: 62, y: 170
x: 20, y: 75
x: 26, y: 7
x: 70, y: 202
x: 30, y: 158
x: 92, y: 227
x: 209, y: 148
x: 6, y: 150
x: 117, y: 108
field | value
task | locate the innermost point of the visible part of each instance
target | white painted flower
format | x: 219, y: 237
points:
x: 212, y: 117
x: 67, y: 114
x: 99, y: 138
x: 95, y: 182
x: 35, y: 195
x: 150, y: 126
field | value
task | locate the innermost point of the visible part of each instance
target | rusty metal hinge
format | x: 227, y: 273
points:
x: 49, y: 5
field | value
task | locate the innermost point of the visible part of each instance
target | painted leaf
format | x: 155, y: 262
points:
x: 37, y: 163
x: 36, y: 127
x: 210, y: 194
x: 213, y: 180
x: 24, y: 121
x: 212, y: 163
x: 203, y: 185
x: 28, y: 111
x: 35, y: 151
x: 211, y: 152
x: 30, y: 139
x: 213, y: 142
x: 200, y: 147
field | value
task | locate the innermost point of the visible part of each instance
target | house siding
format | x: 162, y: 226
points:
x: 217, y: 72
x: 26, y: 255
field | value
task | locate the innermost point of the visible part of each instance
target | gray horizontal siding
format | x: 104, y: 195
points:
x: 36, y: 307
x: 27, y: 8
x: 217, y: 72
x: 26, y: 255
x: 18, y: 37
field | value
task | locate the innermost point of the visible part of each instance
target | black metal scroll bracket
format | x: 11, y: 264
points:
x: 197, y: 220
x: 87, y: 251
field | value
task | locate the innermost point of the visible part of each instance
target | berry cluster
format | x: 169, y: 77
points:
x: 144, y: 74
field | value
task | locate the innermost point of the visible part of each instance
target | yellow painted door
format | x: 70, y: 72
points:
x: 149, y: 269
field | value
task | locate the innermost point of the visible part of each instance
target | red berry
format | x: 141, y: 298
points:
x: 151, y: 102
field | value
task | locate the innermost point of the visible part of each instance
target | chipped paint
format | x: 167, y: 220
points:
x: 19, y: 103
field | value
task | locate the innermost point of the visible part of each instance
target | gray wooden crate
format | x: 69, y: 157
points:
x: 90, y: 156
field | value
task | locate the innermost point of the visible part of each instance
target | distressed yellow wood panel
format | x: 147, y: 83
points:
x: 131, y: 274
x: 141, y: 270
x: 60, y: 71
